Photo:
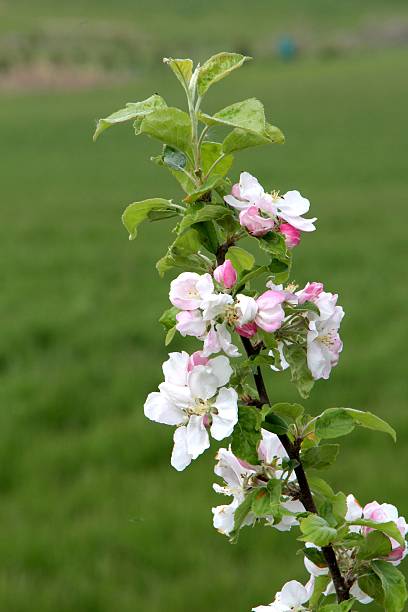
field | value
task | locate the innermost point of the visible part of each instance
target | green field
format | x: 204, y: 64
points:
x: 93, y: 517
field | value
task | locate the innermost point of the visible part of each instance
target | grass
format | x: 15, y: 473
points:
x: 93, y: 518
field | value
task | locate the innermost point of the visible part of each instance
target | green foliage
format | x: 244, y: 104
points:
x: 336, y: 422
x: 316, y: 529
x: 182, y: 253
x: 320, y: 457
x: 344, y: 606
x: 386, y: 585
x: 267, y: 500
x: 182, y: 68
x: 139, y: 211
x: 389, y: 528
x: 374, y: 546
x: 320, y: 583
x: 273, y: 422
x: 171, y: 126
x: 197, y: 213
x: 216, y: 68
x: 289, y: 411
x: 300, y: 374
x: 240, y: 259
x: 247, y: 434
x: 393, y: 586
x: 240, y: 139
x: 132, y: 111
x: 246, y: 115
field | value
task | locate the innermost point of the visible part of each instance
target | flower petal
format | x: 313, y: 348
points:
x: 175, y: 368
x: 220, y: 367
x: 180, y: 457
x: 158, y: 408
x: 227, y: 406
x: 197, y: 436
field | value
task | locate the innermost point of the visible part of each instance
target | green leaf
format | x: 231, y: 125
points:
x: 315, y: 555
x: 267, y: 500
x: 300, y: 374
x: 370, y: 583
x: 251, y: 275
x: 334, y: 422
x: 182, y: 68
x: 240, y: 259
x: 393, y: 585
x: 240, y: 139
x: 168, y: 318
x: 169, y: 125
x: 290, y: 411
x: 218, y: 67
x: 203, y: 212
x: 169, y: 336
x: 174, y: 159
x: 371, y: 421
x: 183, y: 254
x: 273, y: 422
x: 316, y: 530
x: 374, y: 546
x: 132, y: 111
x: 210, y: 152
x: 389, y: 528
x: 274, y: 244
x: 241, y: 514
x: 320, y: 585
x: 139, y: 211
x: 305, y: 307
x: 247, y: 434
x: 344, y: 606
x: 248, y: 115
x: 320, y: 457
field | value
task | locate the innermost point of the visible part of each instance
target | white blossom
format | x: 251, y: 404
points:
x: 195, y: 399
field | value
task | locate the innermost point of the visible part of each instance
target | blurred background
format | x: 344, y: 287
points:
x: 93, y: 519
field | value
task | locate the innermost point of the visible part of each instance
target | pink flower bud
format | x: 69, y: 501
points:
x: 310, y: 293
x: 254, y: 222
x: 236, y: 192
x: 270, y: 313
x: 291, y: 234
x: 247, y: 331
x: 226, y: 274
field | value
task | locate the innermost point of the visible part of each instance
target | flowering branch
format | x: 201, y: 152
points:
x: 275, y: 451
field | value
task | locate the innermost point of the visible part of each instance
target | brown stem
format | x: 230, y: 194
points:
x: 293, y: 451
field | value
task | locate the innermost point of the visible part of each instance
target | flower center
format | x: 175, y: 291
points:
x: 193, y: 293
x: 231, y: 315
x: 328, y: 339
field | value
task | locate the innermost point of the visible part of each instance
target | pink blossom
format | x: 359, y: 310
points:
x: 226, y: 274
x: 254, y: 223
x: 196, y: 359
x: 190, y: 323
x: 236, y: 192
x: 189, y: 289
x: 383, y: 513
x: 310, y: 293
x: 270, y: 313
x: 291, y: 234
x: 247, y: 330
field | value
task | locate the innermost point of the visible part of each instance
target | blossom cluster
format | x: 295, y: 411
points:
x: 209, y: 311
x: 294, y: 595
x: 240, y: 478
x: 261, y: 212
